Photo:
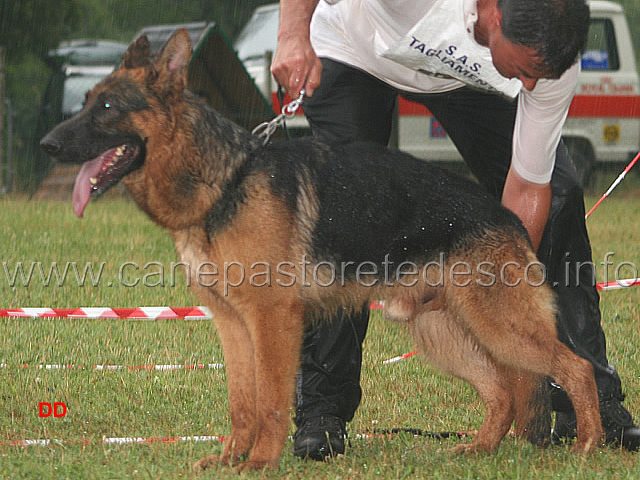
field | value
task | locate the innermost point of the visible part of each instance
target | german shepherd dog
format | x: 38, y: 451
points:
x: 285, y: 233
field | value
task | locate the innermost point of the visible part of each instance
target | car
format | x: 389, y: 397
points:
x: 76, y: 66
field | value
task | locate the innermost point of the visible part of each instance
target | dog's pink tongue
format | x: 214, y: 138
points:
x: 82, y: 186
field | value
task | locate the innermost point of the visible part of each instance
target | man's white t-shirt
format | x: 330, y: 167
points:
x: 428, y: 46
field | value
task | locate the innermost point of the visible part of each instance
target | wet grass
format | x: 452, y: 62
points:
x: 144, y: 403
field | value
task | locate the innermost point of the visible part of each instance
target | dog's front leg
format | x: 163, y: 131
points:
x: 277, y: 338
x: 238, y: 349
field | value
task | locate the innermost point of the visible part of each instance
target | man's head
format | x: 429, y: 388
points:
x: 555, y: 29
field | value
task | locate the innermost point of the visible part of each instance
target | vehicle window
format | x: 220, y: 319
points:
x: 75, y: 88
x: 601, y: 52
x: 259, y: 35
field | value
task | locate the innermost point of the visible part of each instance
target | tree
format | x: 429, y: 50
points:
x: 35, y: 26
x: 121, y: 19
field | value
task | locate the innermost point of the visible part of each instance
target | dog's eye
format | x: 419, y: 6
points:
x: 105, y: 102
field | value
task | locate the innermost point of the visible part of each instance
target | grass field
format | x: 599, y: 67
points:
x: 143, y: 403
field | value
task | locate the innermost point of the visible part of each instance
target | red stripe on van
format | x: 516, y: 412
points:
x: 412, y: 109
x: 626, y: 106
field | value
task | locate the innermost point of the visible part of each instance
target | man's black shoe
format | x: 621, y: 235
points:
x: 319, y: 438
x: 617, y: 423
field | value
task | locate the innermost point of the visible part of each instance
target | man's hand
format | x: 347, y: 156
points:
x: 295, y: 64
x: 530, y: 202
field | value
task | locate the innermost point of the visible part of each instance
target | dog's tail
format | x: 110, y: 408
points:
x: 533, y: 409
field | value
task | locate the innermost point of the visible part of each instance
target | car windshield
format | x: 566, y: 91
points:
x: 259, y: 35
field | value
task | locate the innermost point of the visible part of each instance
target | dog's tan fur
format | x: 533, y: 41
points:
x: 500, y: 338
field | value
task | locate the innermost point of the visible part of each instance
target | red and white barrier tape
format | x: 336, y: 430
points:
x: 204, y: 366
x: 138, y: 313
x: 219, y: 438
x: 618, y: 284
x: 110, y: 441
x: 401, y: 357
x: 187, y: 313
x: 603, y: 286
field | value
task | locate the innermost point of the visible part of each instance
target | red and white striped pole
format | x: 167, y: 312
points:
x: 614, y: 184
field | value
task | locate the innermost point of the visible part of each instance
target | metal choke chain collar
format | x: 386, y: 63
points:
x: 266, y: 129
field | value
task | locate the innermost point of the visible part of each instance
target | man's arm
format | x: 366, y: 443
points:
x: 537, y: 131
x: 530, y: 202
x: 295, y: 63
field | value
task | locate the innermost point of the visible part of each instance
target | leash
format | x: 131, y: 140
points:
x: 417, y: 432
x: 280, y: 94
x: 266, y: 129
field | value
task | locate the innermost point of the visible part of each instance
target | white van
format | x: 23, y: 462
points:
x: 604, y: 118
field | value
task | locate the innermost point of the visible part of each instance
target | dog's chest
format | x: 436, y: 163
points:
x: 191, y: 248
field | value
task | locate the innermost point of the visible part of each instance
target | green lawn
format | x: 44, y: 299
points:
x: 143, y: 403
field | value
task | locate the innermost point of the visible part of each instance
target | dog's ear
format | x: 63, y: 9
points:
x: 172, y: 62
x: 137, y: 55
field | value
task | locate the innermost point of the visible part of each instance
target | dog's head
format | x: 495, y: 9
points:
x: 110, y: 135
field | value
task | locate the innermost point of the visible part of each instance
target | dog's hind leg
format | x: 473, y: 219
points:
x: 575, y: 374
x: 516, y: 324
x: 447, y: 346
x: 532, y: 403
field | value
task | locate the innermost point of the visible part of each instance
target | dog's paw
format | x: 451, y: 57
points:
x: 586, y: 448
x: 253, y: 466
x: 470, y: 449
x: 205, y: 463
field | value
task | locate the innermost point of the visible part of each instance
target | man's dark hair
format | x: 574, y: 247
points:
x: 556, y: 29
